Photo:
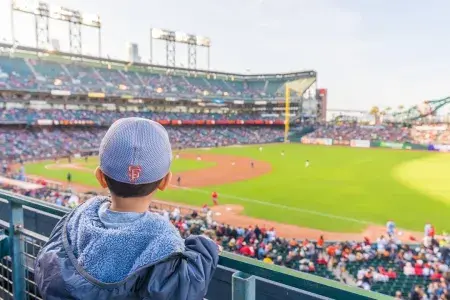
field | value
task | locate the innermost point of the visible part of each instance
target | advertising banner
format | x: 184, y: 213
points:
x: 60, y: 93
x: 360, y: 143
x: 314, y: 141
x: 391, y: 145
x: 440, y: 148
x: 221, y: 122
x: 46, y: 122
x: 96, y: 95
x: 419, y: 147
x: 341, y: 142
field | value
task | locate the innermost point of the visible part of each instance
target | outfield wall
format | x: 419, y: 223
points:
x: 375, y: 144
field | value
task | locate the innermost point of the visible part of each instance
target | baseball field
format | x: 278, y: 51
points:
x: 343, y: 189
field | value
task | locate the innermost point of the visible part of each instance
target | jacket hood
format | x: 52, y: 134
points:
x: 111, y: 254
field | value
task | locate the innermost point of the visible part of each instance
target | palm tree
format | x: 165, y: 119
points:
x: 375, y: 112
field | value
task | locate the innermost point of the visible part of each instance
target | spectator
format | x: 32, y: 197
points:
x: 157, y: 261
x: 52, y: 142
x: 418, y: 293
x: 408, y: 269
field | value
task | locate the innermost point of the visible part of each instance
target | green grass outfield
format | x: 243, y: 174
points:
x: 343, y: 190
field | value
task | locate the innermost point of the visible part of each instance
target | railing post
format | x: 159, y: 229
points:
x: 243, y: 286
x: 17, y: 247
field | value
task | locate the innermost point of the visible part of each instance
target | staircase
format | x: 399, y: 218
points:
x: 67, y: 71
x: 229, y: 86
x: 96, y: 72
x: 126, y: 78
x: 33, y: 70
x: 344, y: 277
x: 265, y: 86
x: 207, y: 82
x: 140, y: 78
x: 187, y: 82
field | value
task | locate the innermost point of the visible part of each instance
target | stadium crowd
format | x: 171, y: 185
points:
x: 361, y: 132
x: 430, y: 134
x: 31, y: 116
x: 409, y: 271
x: 52, y: 142
x: 44, y: 75
x: 36, y: 142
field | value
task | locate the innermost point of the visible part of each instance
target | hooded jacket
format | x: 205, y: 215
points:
x: 144, y: 259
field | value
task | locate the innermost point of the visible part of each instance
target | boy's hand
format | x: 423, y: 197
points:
x: 219, y: 249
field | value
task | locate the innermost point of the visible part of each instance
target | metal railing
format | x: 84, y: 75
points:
x: 237, y: 277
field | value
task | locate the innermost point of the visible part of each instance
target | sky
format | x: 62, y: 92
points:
x: 366, y: 52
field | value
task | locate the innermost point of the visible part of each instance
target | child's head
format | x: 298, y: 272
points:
x: 135, y: 159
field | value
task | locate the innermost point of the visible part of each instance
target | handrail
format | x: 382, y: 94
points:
x: 33, y: 203
x: 248, y: 268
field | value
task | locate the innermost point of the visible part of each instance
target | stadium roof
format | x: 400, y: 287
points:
x: 35, y: 51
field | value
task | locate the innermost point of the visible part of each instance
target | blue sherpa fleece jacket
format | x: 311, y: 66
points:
x: 99, y: 249
x: 140, y: 257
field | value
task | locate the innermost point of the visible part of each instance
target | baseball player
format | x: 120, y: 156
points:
x: 215, y: 197
x: 390, y: 228
x: 179, y: 180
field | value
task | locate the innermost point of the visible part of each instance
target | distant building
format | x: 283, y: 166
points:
x: 133, y: 52
x: 55, y: 45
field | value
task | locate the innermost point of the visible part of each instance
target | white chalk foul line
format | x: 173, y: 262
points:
x: 301, y: 210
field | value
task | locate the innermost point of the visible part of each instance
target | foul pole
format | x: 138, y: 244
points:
x: 287, y: 98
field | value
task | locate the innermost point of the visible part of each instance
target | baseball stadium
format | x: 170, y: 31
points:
x: 305, y: 206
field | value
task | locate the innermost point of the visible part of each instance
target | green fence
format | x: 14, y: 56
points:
x: 19, y: 247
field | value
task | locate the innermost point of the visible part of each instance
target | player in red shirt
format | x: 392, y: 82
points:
x: 214, y: 197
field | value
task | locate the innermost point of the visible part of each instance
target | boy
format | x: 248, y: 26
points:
x: 114, y: 248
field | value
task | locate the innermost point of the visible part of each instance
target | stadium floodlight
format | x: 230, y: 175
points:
x: 158, y: 33
x: 43, y: 12
x: 181, y: 37
x: 172, y: 37
x: 203, y: 41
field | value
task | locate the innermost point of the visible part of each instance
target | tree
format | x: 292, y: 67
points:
x: 374, y: 111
